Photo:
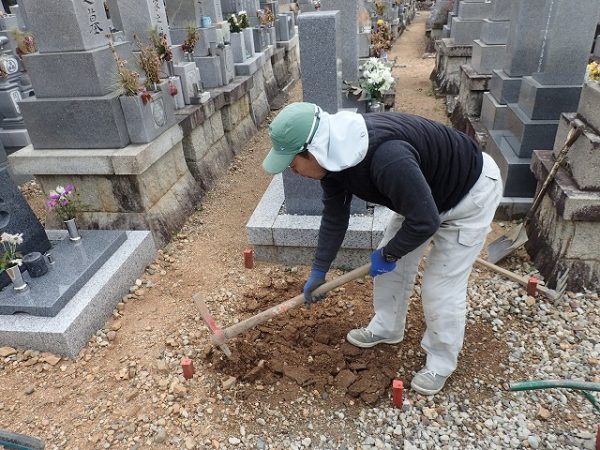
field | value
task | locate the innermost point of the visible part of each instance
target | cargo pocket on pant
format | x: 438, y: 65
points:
x: 470, y: 237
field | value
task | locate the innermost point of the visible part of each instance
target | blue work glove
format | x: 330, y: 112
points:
x: 379, y: 265
x: 315, y: 279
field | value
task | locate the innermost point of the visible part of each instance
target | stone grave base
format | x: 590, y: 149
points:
x: 139, y: 187
x: 89, y: 309
x: 449, y: 58
x: 292, y: 239
x: 468, y: 103
x: 14, y: 138
x: 510, y: 208
x: 564, y: 232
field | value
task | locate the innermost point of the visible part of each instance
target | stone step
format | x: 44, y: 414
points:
x: 570, y: 202
x: 516, y: 174
x: 584, y: 155
x: 542, y: 102
x: 589, y: 101
x: 486, y: 57
x: 504, y: 87
x: 527, y: 134
x: 493, y: 113
x: 495, y: 31
x: 465, y: 31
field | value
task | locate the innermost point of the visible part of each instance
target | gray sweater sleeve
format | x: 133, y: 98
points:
x: 334, y: 223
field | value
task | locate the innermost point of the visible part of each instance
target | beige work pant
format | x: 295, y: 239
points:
x: 456, y: 246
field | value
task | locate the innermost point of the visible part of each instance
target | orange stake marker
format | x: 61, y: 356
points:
x: 188, y: 368
x: 248, y: 258
x: 532, y: 286
x: 397, y: 391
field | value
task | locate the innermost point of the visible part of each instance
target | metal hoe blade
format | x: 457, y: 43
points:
x: 506, y: 244
x: 561, y: 284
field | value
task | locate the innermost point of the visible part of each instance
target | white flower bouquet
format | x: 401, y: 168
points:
x: 10, y: 257
x: 375, y: 78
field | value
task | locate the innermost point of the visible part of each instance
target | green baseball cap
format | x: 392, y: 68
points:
x: 290, y: 132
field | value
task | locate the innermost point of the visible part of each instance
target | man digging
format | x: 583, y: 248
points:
x: 439, y: 185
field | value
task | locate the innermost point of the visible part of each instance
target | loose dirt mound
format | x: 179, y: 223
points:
x: 306, y: 348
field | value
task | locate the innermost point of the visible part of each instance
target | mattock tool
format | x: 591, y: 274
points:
x: 219, y: 336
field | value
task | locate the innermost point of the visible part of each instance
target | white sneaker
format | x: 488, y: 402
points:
x: 427, y: 382
x: 361, y: 337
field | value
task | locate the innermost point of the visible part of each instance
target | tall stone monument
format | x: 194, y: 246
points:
x: 137, y: 17
x: 320, y: 49
x: 73, y: 74
x: 349, y: 10
x: 521, y: 59
x: 17, y: 217
x: 554, y: 87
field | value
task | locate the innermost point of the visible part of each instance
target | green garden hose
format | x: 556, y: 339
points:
x: 582, y: 386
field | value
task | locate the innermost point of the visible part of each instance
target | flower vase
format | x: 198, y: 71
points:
x: 15, y: 275
x: 189, y: 56
x: 375, y: 106
x: 72, y: 229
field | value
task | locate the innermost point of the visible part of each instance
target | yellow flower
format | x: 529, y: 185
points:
x: 380, y: 22
x: 593, y: 71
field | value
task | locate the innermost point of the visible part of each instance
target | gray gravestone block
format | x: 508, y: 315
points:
x: 304, y: 196
x: 364, y: 41
x: 182, y: 13
x: 547, y: 102
x: 115, y: 16
x: 139, y: 16
x: 90, y: 73
x: 464, y: 32
x: 17, y: 217
x: 74, y: 265
x: 3, y: 158
x: 67, y: 25
x: 210, y: 71
x: 565, y: 53
x: 229, y: 6
x: 21, y: 17
x: 439, y: 14
x: 349, y: 39
x: 190, y: 76
x: 213, y: 9
x: 501, y: 10
x: 78, y: 122
x: 494, y: 32
x: 597, y: 47
x: 283, y: 28
x: 319, y: 57
x: 474, y: 10
x: 528, y: 20
x: 227, y: 64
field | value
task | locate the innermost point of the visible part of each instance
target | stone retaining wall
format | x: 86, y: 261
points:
x: 157, y: 186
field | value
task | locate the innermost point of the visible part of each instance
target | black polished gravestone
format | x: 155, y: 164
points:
x: 17, y: 217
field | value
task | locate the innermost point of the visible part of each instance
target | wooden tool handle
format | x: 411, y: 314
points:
x: 514, y: 277
x: 298, y: 300
x: 571, y: 138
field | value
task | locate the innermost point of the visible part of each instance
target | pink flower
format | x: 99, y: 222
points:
x: 54, y: 196
x: 69, y: 188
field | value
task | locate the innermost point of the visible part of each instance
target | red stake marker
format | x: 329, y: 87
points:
x: 397, y: 390
x: 248, y: 258
x: 532, y: 286
x: 188, y: 368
